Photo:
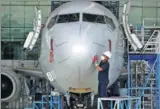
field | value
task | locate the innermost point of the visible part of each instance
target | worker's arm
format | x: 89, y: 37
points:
x: 103, y: 67
x: 99, y: 68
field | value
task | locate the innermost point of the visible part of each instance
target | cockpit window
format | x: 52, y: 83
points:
x: 110, y: 22
x: 65, y: 18
x: 93, y: 18
x: 52, y: 22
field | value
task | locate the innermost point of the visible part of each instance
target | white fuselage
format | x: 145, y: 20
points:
x: 76, y: 43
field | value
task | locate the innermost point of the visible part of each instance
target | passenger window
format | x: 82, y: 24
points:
x: 68, y: 18
x: 52, y: 22
x: 110, y: 22
x: 93, y: 18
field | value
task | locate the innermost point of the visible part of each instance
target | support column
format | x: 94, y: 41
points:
x: 158, y: 82
x: 129, y: 76
x: 52, y: 5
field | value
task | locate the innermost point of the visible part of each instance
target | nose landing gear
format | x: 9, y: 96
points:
x: 77, y: 99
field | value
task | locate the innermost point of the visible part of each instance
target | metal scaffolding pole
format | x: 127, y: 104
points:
x: 147, y: 85
x: 0, y: 53
x: 158, y: 82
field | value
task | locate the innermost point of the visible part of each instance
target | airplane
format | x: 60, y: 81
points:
x: 73, y: 35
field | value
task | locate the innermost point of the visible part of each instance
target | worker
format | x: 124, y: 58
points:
x: 131, y: 28
x: 103, y: 79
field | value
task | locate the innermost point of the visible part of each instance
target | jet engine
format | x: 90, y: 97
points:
x: 10, y: 85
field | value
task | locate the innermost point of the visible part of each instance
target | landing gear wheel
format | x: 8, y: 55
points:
x: 65, y: 105
x: 94, y: 103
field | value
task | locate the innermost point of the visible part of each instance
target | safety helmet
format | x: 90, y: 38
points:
x: 108, y: 54
x: 131, y: 25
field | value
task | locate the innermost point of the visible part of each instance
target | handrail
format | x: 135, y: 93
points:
x: 120, y: 102
x: 146, y: 45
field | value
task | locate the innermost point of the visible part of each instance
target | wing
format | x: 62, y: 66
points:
x: 30, y: 72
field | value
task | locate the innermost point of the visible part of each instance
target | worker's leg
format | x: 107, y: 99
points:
x: 99, y: 90
x: 103, y: 89
x: 103, y: 93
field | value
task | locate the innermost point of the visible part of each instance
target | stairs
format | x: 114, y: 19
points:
x: 143, y: 81
x: 149, y: 95
x: 149, y: 35
x: 151, y: 44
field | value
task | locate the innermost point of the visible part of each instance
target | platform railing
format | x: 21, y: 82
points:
x: 53, y: 102
x: 150, y: 94
x: 120, y: 102
x: 152, y: 42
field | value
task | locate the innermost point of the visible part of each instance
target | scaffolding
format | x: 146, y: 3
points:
x: 49, y: 102
x: 120, y: 102
x: 143, y: 83
x: 143, y: 67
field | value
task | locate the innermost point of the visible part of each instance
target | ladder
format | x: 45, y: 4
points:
x: 148, y: 98
x: 152, y: 44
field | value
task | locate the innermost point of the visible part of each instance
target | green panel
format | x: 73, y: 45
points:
x: 158, y: 13
x: 17, y: 16
x: 17, y: 22
x: 17, y: 33
x: 32, y: 3
x: 135, y: 16
x: 45, y: 9
x: 5, y: 16
x: 133, y: 2
x: 45, y: 13
x: 29, y: 13
x: 5, y: 33
x: 158, y: 10
x: 150, y: 3
x: 29, y: 16
x: 45, y: 2
x: 158, y: 3
x: 18, y: 54
x: 158, y: 16
x: 27, y: 30
x: 149, y: 12
x: 136, y: 3
x: 12, y: 50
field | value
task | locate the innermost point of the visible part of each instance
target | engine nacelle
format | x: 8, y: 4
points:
x: 10, y: 85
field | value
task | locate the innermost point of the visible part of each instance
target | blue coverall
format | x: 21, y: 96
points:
x: 103, y: 80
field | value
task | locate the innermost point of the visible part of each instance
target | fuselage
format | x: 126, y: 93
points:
x: 76, y: 32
